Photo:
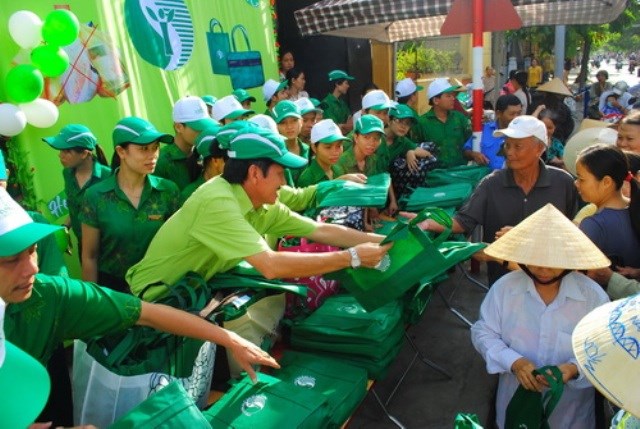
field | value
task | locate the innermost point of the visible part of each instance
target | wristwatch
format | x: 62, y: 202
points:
x: 355, y: 259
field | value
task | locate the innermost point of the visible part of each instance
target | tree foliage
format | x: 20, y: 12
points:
x: 415, y: 57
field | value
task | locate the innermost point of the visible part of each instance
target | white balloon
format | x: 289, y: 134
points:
x: 25, y: 28
x: 40, y: 113
x: 12, y: 120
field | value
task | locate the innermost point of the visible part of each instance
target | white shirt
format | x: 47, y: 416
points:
x: 515, y: 322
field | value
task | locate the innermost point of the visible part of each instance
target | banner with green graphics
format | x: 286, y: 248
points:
x: 133, y: 57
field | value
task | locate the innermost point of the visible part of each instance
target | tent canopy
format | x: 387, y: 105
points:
x: 391, y: 21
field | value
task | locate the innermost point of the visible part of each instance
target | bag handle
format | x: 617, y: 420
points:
x: 246, y: 37
x: 213, y: 23
x: 437, y: 214
x: 552, y: 396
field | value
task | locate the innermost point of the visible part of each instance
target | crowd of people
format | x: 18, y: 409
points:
x: 216, y: 190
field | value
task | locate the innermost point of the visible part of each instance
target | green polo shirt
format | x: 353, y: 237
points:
x: 448, y: 136
x: 50, y: 259
x: 172, y: 165
x: 214, y: 230
x: 297, y: 199
x: 75, y: 194
x: 314, y: 174
x: 336, y: 109
x: 125, y: 232
x: 190, y: 188
x: 400, y: 147
x: 305, y: 152
x: 347, y: 164
x: 61, y: 309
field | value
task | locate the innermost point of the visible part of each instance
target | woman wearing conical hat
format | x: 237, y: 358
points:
x: 527, y: 317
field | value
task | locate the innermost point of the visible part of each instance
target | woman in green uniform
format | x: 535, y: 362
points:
x: 82, y: 168
x: 213, y: 158
x: 287, y: 115
x: 121, y: 214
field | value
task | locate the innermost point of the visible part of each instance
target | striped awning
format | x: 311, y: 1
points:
x: 396, y: 20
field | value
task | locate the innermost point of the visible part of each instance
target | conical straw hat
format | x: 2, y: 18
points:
x: 606, y: 343
x: 593, y: 123
x: 583, y: 139
x: 556, y: 86
x: 548, y: 239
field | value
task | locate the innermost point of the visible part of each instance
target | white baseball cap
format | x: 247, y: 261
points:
x: 228, y: 107
x: 271, y: 87
x: 265, y: 121
x: 407, y: 87
x: 326, y: 131
x: 377, y: 100
x: 440, y: 86
x: 524, y: 126
x: 192, y: 112
x: 306, y: 106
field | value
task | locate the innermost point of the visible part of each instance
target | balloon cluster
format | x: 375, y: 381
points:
x: 24, y: 82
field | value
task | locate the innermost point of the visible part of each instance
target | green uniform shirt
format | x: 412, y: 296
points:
x: 382, y: 153
x: 125, y: 232
x: 190, y: 188
x: 347, y: 164
x: 336, y: 109
x: 172, y: 165
x: 215, y: 229
x: 400, y: 147
x: 50, y: 259
x: 314, y: 174
x: 297, y: 199
x: 75, y: 194
x: 448, y: 136
x: 61, y: 309
x: 305, y: 152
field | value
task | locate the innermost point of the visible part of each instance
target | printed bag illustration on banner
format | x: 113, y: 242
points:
x: 218, y: 42
x: 245, y: 67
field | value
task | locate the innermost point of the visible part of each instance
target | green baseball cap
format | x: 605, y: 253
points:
x: 242, y: 95
x: 315, y: 102
x: 205, y: 139
x: 285, y: 109
x: 257, y: 142
x: 192, y: 112
x: 209, y: 100
x: 227, y: 132
x: 326, y: 131
x: 133, y: 129
x: 369, y: 124
x: 72, y: 136
x: 17, y: 230
x: 402, y: 111
x: 3, y: 167
x: 339, y: 74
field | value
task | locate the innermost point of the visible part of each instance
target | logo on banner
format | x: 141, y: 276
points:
x: 161, y: 31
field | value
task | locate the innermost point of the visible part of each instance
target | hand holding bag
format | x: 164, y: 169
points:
x: 245, y: 67
x: 416, y: 257
x: 219, y: 48
x: 532, y: 409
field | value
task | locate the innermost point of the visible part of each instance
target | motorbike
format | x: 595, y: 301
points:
x: 618, y: 66
x: 632, y: 66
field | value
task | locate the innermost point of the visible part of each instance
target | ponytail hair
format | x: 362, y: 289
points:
x: 100, y: 156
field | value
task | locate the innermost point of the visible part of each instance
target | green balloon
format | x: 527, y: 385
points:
x: 24, y: 83
x: 51, y: 60
x: 60, y: 28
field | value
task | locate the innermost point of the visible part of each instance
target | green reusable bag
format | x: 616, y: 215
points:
x: 219, y: 48
x: 416, y: 256
x: 268, y: 404
x: 336, y: 193
x: 245, y: 67
x: 451, y: 195
x: 470, y: 174
x: 466, y: 421
x: 169, y: 408
x: 417, y: 298
x: 344, y: 386
x: 529, y: 409
x: 141, y: 349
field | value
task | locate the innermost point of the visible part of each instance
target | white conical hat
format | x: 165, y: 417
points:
x: 548, y: 238
x: 606, y: 343
x: 583, y: 139
x: 555, y: 86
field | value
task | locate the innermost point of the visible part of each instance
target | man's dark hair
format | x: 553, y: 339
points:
x: 334, y: 83
x: 504, y: 101
x: 236, y: 170
x: 405, y: 99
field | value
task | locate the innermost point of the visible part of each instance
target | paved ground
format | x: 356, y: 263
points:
x: 427, y: 399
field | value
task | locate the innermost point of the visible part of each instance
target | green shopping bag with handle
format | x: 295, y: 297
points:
x: 466, y: 421
x: 219, y: 47
x: 374, y: 193
x: 470, y: 174
x: 416, y: 256
x: 451, y: 195
x: 531, y: 409
x: 169, y: 408
x: 245, y: 67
